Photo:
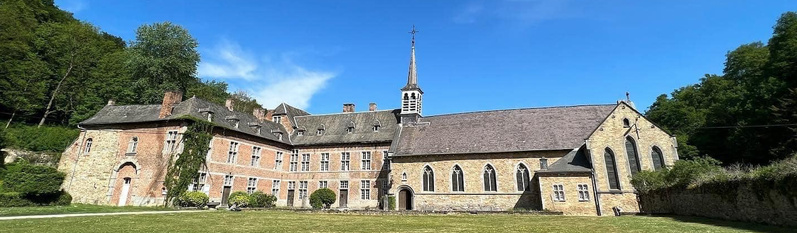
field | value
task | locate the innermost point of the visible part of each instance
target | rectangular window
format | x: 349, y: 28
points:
x: 294, y: 163
x: 385, y: 161
x: 251, y: 185
x: 228, y: 180
x: 255, y: 156
x: 324, y: 161
x: 199, y: 182
x: 323, y: 184
x: 291, y: 185
x: 366, y: 161
x: 232, y: 154
x: 278, y: 161
x: 275, y: 188
x: 583, y: 192
x: 305, y: 162
x: 365, y: 189
x: 558, y: 193
x: 302, y: 189
x: 344, y: 161
x: 277, y: 119
x: 344, y: 184
x: 171, y: 141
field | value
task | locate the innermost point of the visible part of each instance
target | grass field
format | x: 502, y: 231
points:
x: 289, y: 221
x: 72, y: 209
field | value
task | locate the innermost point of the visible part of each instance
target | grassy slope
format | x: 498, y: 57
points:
x: 72, y: 209
x: 287, y: 221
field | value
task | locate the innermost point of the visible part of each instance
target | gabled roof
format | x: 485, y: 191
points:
x: 335, y: 125
x: 290, y: 111
x: 530, y: 129
x: 574, y: 161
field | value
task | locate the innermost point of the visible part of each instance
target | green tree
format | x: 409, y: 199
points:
x: 213, y: 91
x: 322, y: 198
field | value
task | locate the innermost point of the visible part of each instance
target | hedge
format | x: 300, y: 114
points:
x: 31, y: 180
x: 259, y: 199
x: 192, y: 199
x: 239, y: 198
x: 39, y: 139
x: 15, y: 199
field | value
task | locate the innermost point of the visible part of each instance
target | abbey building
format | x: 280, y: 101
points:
x: 573, y: 159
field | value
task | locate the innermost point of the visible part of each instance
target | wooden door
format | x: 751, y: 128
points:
x: 344, y: 198
x: 402, y: 200
x: 290, y: 197
x: 225, y: 195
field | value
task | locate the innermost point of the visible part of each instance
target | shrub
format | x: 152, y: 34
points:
x: 260, y: 199
x: 239, y: 198
x: 33, y: 180
x: 13, y: 199
x: 391, y: 203
x: 322, y: 198
x: 192, y: 199
x: 64, y: 199
x: 45, y: 138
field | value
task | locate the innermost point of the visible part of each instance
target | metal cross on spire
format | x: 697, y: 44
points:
x: 413, y: 34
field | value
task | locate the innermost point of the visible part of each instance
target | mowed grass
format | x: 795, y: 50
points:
x: 72, y: 209
x: 289, y: 221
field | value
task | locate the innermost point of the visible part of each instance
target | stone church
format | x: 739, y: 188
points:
x: 573, y: 159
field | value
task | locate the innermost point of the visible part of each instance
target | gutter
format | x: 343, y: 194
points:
x: 594, y: 180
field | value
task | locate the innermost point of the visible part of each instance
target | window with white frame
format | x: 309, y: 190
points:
x: 171, y: 141
x: 132, y: 145
x: 365, y: 189
x: 210, y: 116
x: 232, y: 153
x: 344, y: 161
x: 344, y: 184
x: 251, y: 185
x: 294, y: 162
x: 275, y: 188
x: 278, y: 161
x: 583, y: 192
x: 324, y: 162
x: 300, y: 133
x: 88, y: 145
x: 199, y: 182
x: 323, y: 184
x: 302, y: 189
x: 558, y: 193
x: 228, y: 180
x: 319, y: 132
x: 366, y: 161
x: 291, y: 185
x: 255, y: 156
x: 277, y: 119
x: 305, y: 162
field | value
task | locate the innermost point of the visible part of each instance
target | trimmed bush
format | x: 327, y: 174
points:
x: 13, y: 199
x: 259, y: 199
x: 239, y: 198
x: 192, y: 199
x: 64, y: 199
x: 33, y: 180
x: 322, y: 198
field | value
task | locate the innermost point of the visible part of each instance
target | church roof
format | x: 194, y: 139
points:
x: 574, y: 161
x: 530, y: 129
x: 335, y: 128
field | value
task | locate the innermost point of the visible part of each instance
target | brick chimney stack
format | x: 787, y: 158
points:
x: 372, y: 107
x: 270, y: 115
x: 170, y: 99
x: 348, y: 107
x: 229, y: 104
x: 259, y: 113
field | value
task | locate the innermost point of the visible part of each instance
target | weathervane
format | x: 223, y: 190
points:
x: 413, y: 34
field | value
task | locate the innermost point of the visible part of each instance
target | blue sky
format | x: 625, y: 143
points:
x: 471, y: 55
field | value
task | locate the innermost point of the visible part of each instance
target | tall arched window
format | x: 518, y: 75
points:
x: 611, y: 169
x: 88, y: 146
x: 522, y: 177
x: 457, y: 180
x: 132, y: 145
x: 658, y: 158
x: 489, y: 179
x: 633, y: 159
x: 428, y: 179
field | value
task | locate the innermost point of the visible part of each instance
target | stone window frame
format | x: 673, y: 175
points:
x: 345, y: 161
x: 300, y: 133
x: 293, y: 162
x: 278, y: 160
x: 132, y: 146
x: 528, y: 182
x: 365, y: 160
x: 306, y: 162
x: 291, y: 185
x: 256, y: 155
x: 365, y: 189
x: 199, y: 183
x: 324, y: 163
x: 385, y: 161
x: 543, y: 163
x: 275, y: 188
x: 404, y: 177
x: 662, y: 164
x: 456, y: 165
x: 495, y: 171
x: 229, y: 180
x: 277, y: 119
x: 423, y: 177
x: 626, y: 123
x: 323, y: 184
x: 557, y: 191
x: 251, y: 185
x: 89, y: 143
x: 609, y: 178
x: 583, y: 192
x: 170, y: 144
x: 637, y: 161
x: 344, y: 184
x: 232, y: 152
x: 303, y: 189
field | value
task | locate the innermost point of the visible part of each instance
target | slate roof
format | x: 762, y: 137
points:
x: 290, y: 111
x: 574, y: 161
x: 335, y: 125
x: 530, y: 129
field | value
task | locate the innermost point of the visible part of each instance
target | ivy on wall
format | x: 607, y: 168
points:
x: 184, y: 167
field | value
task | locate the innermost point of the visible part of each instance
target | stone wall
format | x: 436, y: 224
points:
x: 9, y: 155
x: 572, y: 205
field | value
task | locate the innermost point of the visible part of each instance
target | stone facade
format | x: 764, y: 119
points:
x: 573, y: 203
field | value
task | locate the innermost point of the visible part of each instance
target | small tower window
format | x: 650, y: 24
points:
x: 404, y: 177
x: 88, y: 146
x: 131, y: 146
x: 626, y: 123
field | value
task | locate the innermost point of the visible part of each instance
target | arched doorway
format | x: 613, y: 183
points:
x: 124, y: 185
x: 405, y: 199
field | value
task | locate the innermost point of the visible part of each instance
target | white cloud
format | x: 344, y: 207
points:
x: 271, y: 83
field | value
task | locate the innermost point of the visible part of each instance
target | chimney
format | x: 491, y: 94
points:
x: 229, y: 104
x: 111, y: 102
x: 170, y: 99
x: 269, y: 115
x: 348, y: 107
x: 372, y: 107
x: 259, y: 113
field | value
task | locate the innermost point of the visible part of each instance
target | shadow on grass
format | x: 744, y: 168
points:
x: 747, y: 226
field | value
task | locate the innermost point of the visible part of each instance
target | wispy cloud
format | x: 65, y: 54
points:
x: 523, y: 12
x: 270, y: 82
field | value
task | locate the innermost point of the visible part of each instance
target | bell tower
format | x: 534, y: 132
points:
x: 411, y: 94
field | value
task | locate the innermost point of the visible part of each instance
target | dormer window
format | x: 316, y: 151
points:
x: 279, y: 135
x: 258, y: 130
x: 277, y: 119
x: 235, y: 123
x: 626, y: 123
x: 210, y: 116
x: 349, y: 129
x: 319, y: 132
x: 376, y: 128
x: 300, y: 133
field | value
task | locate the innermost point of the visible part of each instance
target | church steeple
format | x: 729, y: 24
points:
x: 411, y: 94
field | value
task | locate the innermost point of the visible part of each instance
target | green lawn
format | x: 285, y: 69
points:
x: 288, y: 221
x: 72, y: 209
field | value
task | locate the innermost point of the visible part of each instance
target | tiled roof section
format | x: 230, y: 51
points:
x: 335, y: 125
x: 290, y: 111
x: 575, y: 161
x: 531, y: 129
x: 112, y: 114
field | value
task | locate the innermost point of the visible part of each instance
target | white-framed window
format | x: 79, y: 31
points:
x: 319, y: 132
x: 344, y: 184
x: 323, y: 184
x: 199, y: 182
x: 291, y: 185
x: 132, y: 145
x: 210, y: 116
x: 88, y: 146
x: 171, y: 141
x: 294, y: 162
x: 255, y: 156
x: 345, y: 157
x: 365, y: 189
x: 300, y: 133
x: 277, y: 119
x: 232, y: 153
x: 385, y: 161
x: 583, y: 192
x: 235, y: 123
x: 305, y: 162
x: 251, y: 185
x: 279, y: 136
x: 558, y: 193
x: 275, y: 188
x: 324, y: 162
x: 376, y: 128
x: 228, y: 180
x: 278, y: 161
x: 366, y: 161
x: 302, y: 189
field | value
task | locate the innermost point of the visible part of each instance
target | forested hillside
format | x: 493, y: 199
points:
x: 58, y: 70
x: 748, y: 114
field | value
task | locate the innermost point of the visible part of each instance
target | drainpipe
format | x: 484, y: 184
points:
x: 77, y: 158
x: 594, y: 180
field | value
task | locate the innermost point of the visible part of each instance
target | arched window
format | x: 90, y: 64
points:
x: 611, y: 169
x: 131, y: 146
x: 489, y: 179
x: 522, y: 176
x: 658, y: 158
x: 88, y: 146
x: 626, y: 123
x: 428, y: 179
x: 633, y: 159
x: 404, y: 176
x: 457, y: 180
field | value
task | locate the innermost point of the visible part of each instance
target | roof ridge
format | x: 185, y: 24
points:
x: 345, y: 113
x: 526, y: 108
